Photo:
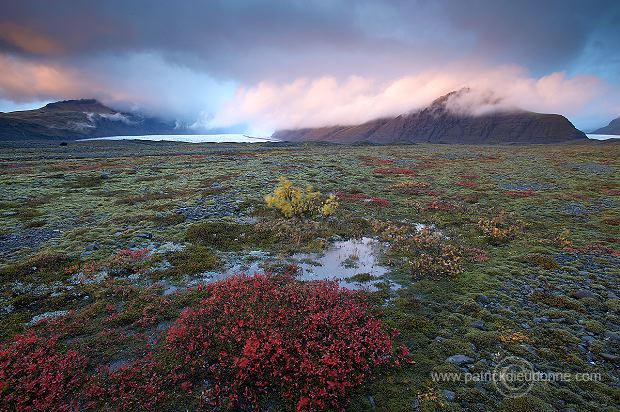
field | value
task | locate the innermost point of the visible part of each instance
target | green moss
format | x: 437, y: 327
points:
x: 525, y: 403
x: 194, y: 259
x: 225, y: 236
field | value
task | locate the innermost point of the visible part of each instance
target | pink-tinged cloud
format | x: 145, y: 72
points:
x: 25, y: 39
x: 30, y: 80
x: 325, y: 101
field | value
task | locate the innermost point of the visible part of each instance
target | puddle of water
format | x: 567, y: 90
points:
x: 343, y: 260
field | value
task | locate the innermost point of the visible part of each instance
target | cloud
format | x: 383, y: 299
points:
x: 143, y: 82
x: 27, y: 40
x: 367, y: 58
x: 24, y: 80
x: 326, y: 101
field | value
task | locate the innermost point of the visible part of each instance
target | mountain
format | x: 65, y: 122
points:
x: 445, y: 121
x: 612, y: 128
x: 78, y: 119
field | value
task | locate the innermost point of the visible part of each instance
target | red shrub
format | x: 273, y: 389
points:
x: 136, y: 386
x: 476, y: 255
x: 469, y: 177
x: 467, y: 184
x: 612, y: 191
x: 266, y: 336
x: 521, y: 193
x: 351, y: 197
x: 361, y: 197
x: 394, y: 171
x: 36, y: 376
x: 439, y: 205
x: 129, y: 260
x: 595, y: 249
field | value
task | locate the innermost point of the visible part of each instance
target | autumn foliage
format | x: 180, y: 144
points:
x: 35, y: 375
x: 249, y: 341
x: 292, y: 201
x: 267, y: 337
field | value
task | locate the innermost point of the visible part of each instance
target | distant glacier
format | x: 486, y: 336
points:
x: 193, y: 138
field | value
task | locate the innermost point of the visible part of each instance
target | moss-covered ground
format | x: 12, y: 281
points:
x: 109, y: 234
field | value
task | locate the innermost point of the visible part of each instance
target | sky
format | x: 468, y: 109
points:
x: 260, y: 66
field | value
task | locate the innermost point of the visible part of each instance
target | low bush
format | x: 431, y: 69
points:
x: 36, y: 376
x: 499, y: 229
x: 268, y: 338
x: 137, y: 386
x: 445, y: 262
x: 293, y: 201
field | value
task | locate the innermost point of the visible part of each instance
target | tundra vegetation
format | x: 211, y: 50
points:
x: 122, y: 284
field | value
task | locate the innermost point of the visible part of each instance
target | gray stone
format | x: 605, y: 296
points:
x: 372, y: 403
x: 611, y: 358
x: 479, y: 324
x: 459, y: 359
x: 47, y: 315
x: 449, y: 395
x: 588, y: 339
x: 92, y: 246
x: 483, y: 299
x: 615, y: 336
x: 584, y: 293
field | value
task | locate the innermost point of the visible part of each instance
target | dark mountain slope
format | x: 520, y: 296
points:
x: 438, y: 124
x: 78, y: 119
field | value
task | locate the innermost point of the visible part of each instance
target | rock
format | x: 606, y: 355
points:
x: 415, y: 405
x: 168, y: 247
x: 47, y: 315
x: 85, y: 254
x: 459, y: 359
x: 479, y: 324
x: 583, y: 293
x: 483, y: 299
x: 588, y: 339
x: 372, y: 403
x: 449, y: 395
x: 614, y: 336
x: 609, y: 357
x: 145, y: 235
x: 92, y: 246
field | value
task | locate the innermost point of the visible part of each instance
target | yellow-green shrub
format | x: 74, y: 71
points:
x: 293, y: 201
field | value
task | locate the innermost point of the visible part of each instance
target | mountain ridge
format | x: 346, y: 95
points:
x: 78, y: 119
x: 612, y: 128
x: 437, y: 123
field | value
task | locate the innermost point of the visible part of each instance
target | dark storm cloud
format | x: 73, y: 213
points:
x: 254, y: 39
x: 190, y: 56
